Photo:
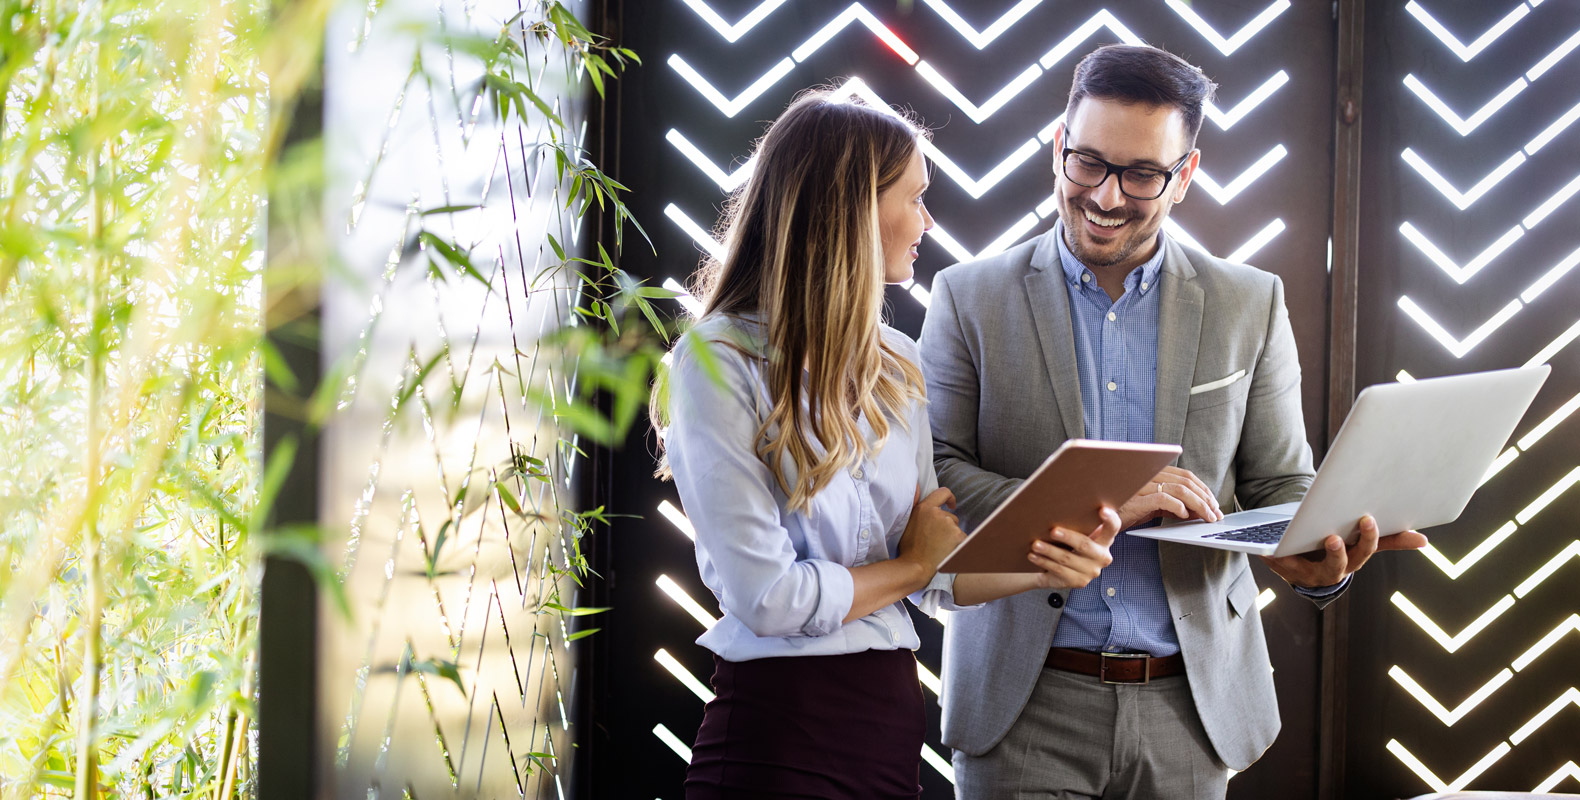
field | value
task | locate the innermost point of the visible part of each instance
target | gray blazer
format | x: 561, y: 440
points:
x: 1003, y: 393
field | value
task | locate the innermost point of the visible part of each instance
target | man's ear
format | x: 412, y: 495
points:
x: 1059, y: 132
x: 1186, y: 173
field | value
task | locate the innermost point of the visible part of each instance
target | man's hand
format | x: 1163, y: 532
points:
x: 1330, y: 565
x: 1174, y: 492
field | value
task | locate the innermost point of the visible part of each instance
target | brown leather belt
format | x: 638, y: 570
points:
x: 1115, y: 667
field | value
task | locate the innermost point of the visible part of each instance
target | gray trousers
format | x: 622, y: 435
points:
x: 1079, y: 738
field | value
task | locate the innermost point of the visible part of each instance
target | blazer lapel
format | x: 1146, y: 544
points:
x: 1179, y: 335
x: 1050, y: 310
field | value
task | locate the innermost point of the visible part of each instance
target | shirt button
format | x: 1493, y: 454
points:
x: 1110, y: 591
x: 1056, y: 600
x: 864, y: 534
x: 1086, y: 277
x: 1111, y: 316
x: 856, y: 474
x: 1112, y: 386
x: 1143, y: 285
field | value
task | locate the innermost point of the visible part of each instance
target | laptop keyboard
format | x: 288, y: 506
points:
x: 1268, y: 533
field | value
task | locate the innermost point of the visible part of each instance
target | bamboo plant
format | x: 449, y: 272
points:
x: 139, y: 140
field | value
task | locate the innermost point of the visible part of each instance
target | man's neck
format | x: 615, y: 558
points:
x: 1111, y: 279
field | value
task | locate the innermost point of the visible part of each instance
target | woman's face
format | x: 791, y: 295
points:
x: 902, y: 219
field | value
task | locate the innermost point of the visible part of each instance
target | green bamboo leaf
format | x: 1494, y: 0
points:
x: 652, y: 317
x: 508, y: 497
x: 655, y: 292
x: 612, y: 318
x: 581, y: 634
x: 453, y: 255
x: 276, y: 467
x: 580, y: 417
x: 449, y: 209
x: 449, y: 670
x: 410, y: 387
x: 275, y: 368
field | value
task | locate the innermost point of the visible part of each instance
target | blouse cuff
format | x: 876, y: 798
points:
x: 938, y: 595
x: 836, y: 594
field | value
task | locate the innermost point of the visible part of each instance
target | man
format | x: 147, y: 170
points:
x: 1106, y: 328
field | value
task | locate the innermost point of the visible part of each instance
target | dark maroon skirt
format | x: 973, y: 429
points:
x: 845, y: 726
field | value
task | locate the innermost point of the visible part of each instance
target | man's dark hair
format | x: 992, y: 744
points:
x: 1143, y: 74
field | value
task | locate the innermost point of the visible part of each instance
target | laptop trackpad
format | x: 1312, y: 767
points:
x: 1246, y: 519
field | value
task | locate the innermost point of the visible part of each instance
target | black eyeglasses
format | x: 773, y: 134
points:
x: 1139, y: 183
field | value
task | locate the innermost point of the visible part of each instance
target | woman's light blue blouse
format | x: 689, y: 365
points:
x: 782, y: 578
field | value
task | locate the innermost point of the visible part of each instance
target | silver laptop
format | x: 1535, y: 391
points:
x: 1409, y: 454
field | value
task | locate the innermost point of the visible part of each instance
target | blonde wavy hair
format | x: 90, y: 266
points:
x: 803, y: 252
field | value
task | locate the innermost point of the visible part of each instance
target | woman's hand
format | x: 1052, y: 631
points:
x: 932, y: 532
x: 1070, y: 560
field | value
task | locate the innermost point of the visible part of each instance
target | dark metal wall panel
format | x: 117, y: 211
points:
x: 1462, y: 659
x: 989, y: 78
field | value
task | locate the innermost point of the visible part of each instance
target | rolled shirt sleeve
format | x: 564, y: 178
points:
x: 744, y: 550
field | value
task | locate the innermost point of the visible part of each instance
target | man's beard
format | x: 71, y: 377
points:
x: 1134, y: 239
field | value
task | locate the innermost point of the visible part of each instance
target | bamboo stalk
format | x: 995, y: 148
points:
x: 87, y: 783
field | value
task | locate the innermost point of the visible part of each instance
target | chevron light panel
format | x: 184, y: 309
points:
x: 1530, y: 523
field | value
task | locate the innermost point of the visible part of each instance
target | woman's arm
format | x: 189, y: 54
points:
x: 931, y: 534
x: 727, y: 492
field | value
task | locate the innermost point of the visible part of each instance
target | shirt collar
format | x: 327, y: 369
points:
x: 1142, y: 279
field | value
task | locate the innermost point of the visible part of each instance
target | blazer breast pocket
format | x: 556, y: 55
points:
x: 1242, y: 594
x: 1207, y: 394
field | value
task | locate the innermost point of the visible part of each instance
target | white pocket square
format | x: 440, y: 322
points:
x: 1217, y: 384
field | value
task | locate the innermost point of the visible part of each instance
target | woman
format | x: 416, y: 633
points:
x: 799, y: 442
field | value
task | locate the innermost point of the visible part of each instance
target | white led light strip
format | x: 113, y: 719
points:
x: 1464, y: 125
x: 1458, y: 347
x: 1223, y: 194
x: 1454, y: 569
x: 984, y: 38
x: 1233, y: 43
x: 1442, y: 713
x: 1461, y: 274
x: 733, y: 32
x: 1464, y: 51
x: 1458, y: 273
x: 1569, y: 696
x: 1462, y: 200
x: 856, y: 12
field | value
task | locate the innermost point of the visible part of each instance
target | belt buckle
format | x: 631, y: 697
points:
x: 1146, y: 666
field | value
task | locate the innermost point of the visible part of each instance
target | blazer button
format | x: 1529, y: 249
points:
x: 1055, y: 600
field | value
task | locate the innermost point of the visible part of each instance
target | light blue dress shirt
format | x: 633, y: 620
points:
x: 1116, y: 356
x: 782, y: 578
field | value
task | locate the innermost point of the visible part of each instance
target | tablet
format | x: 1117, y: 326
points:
x: 1067, y: 490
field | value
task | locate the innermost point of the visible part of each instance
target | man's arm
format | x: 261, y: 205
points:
x: 1274, y: 464
x: 953, y: 395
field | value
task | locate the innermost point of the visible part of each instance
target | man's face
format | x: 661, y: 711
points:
x: 1103, y: 226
